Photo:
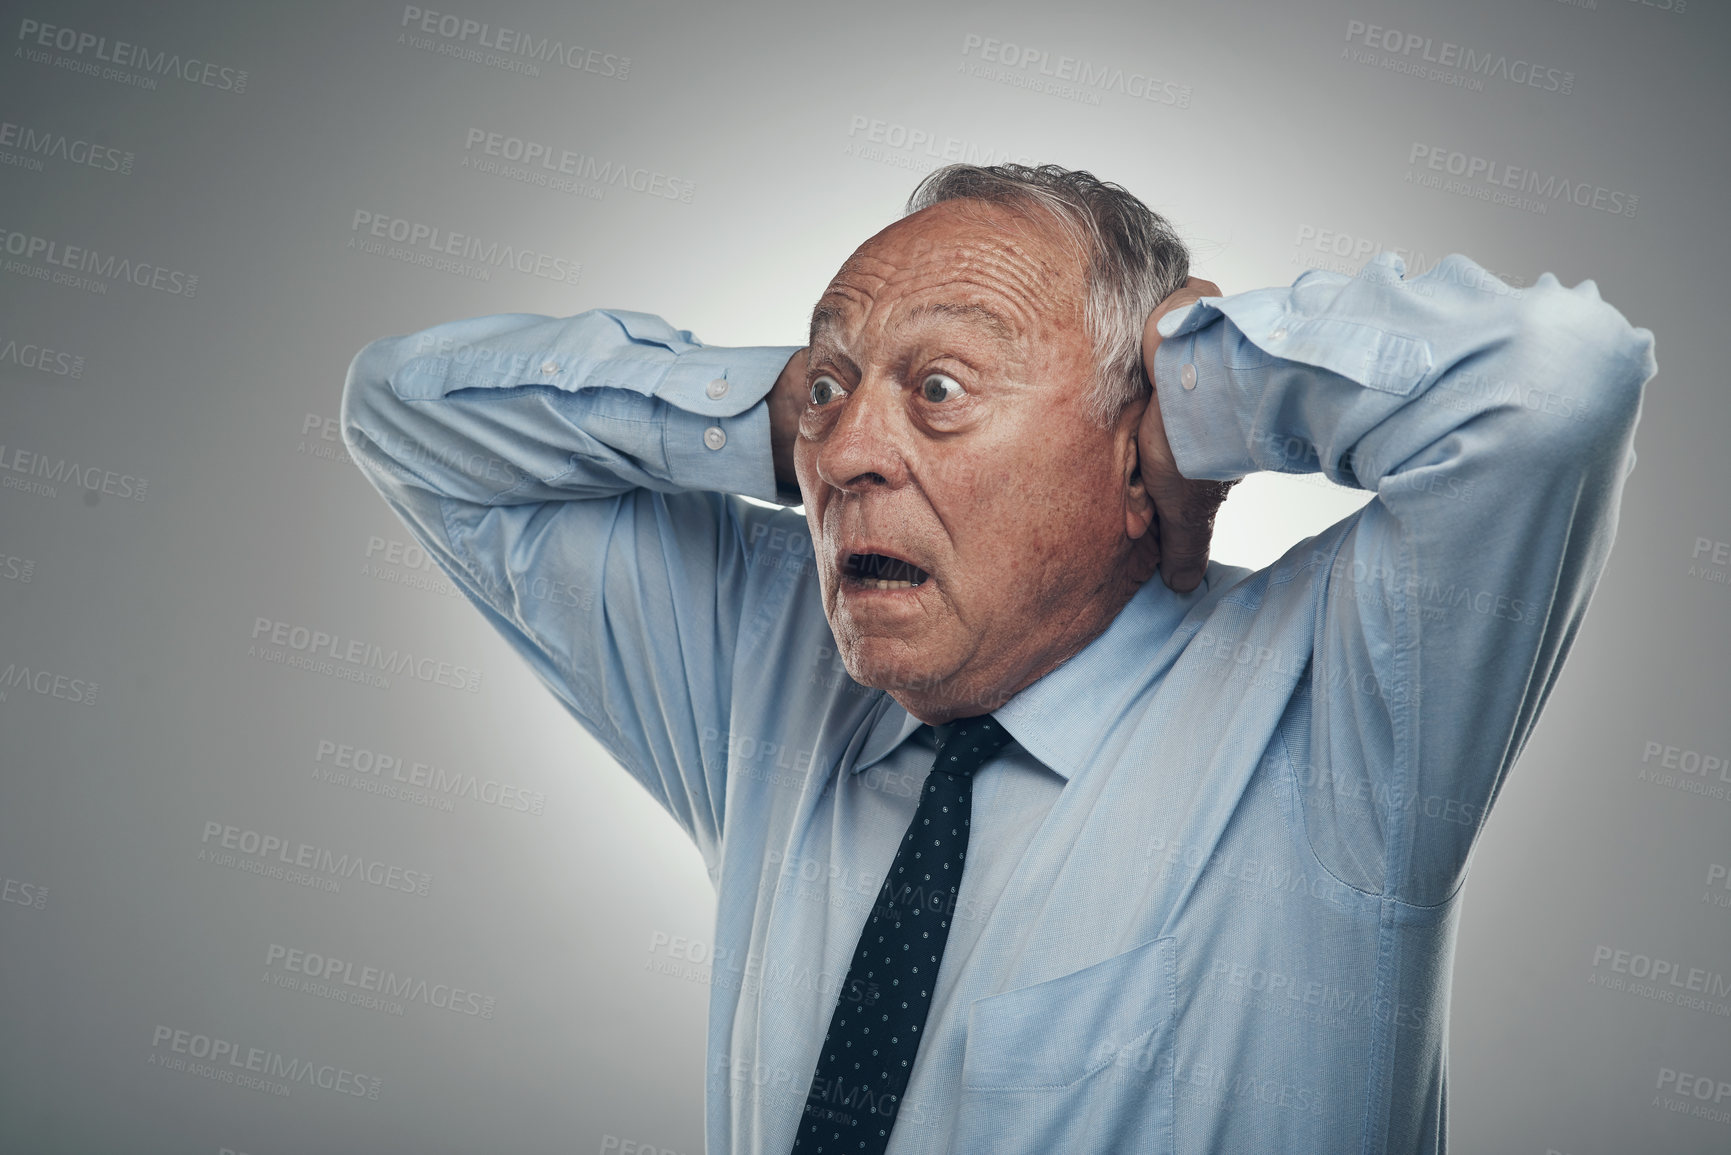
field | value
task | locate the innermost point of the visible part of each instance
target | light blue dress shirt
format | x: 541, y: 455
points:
x: 1211, y: 893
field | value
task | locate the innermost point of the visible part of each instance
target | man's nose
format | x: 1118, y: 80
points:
x: 864, y: 448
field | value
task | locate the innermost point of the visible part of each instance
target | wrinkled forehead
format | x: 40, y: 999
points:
x: 1006, y: 274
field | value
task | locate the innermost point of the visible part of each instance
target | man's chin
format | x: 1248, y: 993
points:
x: 886, y: 664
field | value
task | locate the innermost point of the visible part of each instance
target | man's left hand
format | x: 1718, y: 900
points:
x: 1183, y: 509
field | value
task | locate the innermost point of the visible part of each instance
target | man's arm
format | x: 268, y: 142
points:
x: 785, y: 403
x: 1494, y: 427
x: 569, y: 476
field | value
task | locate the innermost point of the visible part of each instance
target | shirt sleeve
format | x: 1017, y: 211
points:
x: 1494, y: 426
x: 573, y: 477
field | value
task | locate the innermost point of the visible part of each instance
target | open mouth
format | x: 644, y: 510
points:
x: 882, y: 572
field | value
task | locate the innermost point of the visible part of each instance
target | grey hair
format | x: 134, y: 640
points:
x: 1135, y: 259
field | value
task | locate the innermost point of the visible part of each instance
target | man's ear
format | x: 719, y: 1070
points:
x: 1138, y: 503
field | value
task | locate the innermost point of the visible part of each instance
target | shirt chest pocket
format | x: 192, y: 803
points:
x: 1081, y: 1062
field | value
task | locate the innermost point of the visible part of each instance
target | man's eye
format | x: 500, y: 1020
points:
x: 826, y: 389
x: 940, y: 387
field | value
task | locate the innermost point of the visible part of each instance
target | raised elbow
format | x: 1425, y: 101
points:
x: 367, y: 398
x: 1583, y: 363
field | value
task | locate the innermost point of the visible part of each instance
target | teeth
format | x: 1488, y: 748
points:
x: 872, y: 573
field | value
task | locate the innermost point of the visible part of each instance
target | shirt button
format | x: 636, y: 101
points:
x: 1187, y: 376
x: 549, y: 366
x: 715, y: 437
x: 1278, y: 335
x: 717, y: 389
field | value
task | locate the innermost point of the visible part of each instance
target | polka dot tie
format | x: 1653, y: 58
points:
x: 880, y: 1015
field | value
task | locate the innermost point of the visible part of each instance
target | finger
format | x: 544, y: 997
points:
x: 1187, y: 532
x: 1187, y: 294
x: 1180, y: 567
x: 1186, y: 573
x: 1183, y: 556
x: 1181, y: 299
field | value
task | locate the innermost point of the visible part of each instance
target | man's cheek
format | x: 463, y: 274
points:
x: 997, y: 549
x: 805, y: 468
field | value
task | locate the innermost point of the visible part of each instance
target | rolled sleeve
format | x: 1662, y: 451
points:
x: 1201, y: 414
x: 716, y: 436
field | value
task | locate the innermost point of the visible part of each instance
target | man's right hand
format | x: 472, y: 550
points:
x: 1184, y: 508
x: 786, y: 402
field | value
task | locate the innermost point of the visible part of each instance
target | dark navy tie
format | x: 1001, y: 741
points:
x: 868, y: 1054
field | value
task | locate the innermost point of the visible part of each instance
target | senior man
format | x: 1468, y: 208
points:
x: 1016, y: 847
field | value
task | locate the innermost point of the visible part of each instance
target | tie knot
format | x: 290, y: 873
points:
x: 965, y: 744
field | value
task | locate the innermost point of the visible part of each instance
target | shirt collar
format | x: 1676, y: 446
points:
x: 1068, y: 710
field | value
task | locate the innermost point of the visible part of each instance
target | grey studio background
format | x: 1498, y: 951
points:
x: 485, y: 936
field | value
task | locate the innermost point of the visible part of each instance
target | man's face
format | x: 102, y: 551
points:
x: 972, y: 527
